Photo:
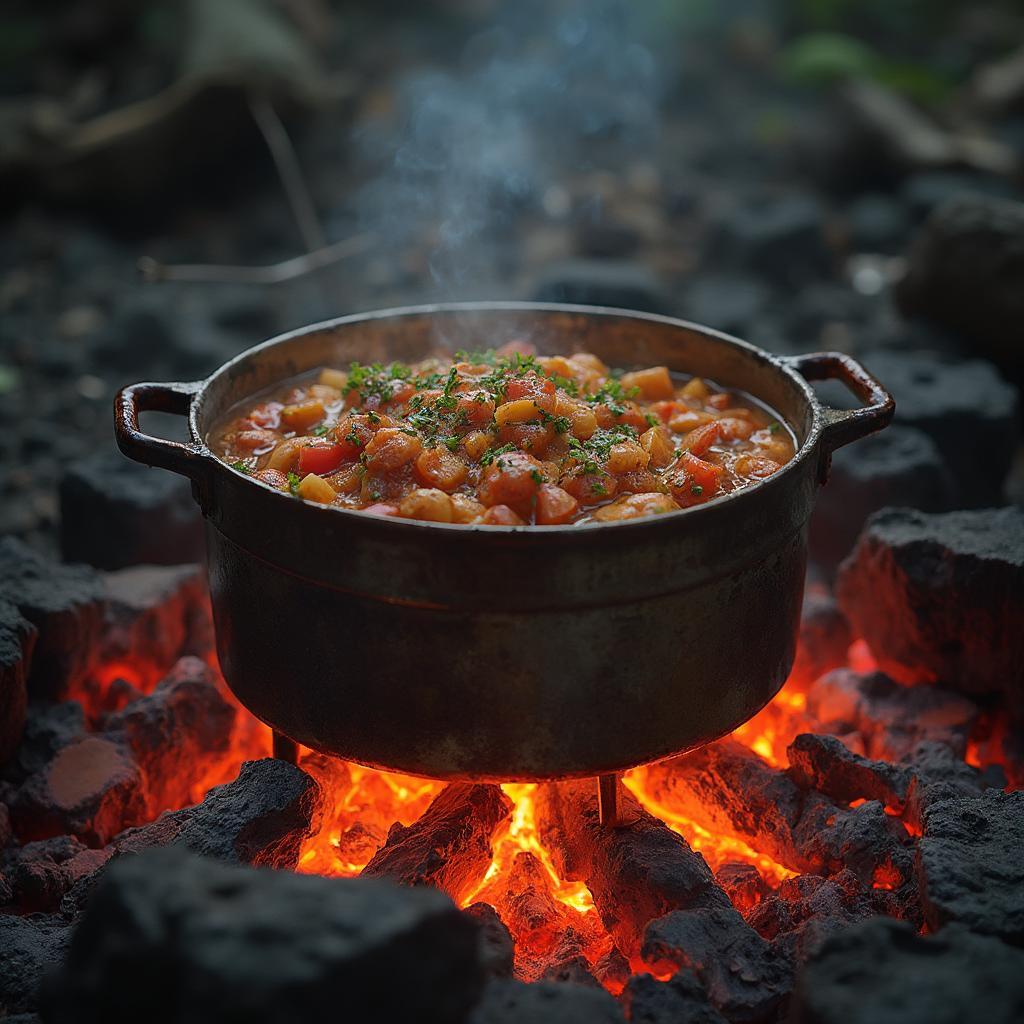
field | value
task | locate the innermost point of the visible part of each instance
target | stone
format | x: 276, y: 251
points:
x: 41, y: 873
x: 965, y: 406
x: 178, y: 734
x: 969, y: 864
x: 168, y: 931
x: 897, y: 466
x: 881, y: 972
x: 597, y: 282
x: 744, y: 977
x: 964, y: 273
x: 940, y: 597
x: 65, y: 605
x: 497, y: 947
x: 29, y: 948
x: 48, y: 728
x: 91, y: 789
x: 17, y: 639
x: 681, y: 998
x: 115, y: 513
x: 512, y: 1002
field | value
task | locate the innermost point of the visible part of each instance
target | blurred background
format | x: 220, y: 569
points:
x: 180, y: 179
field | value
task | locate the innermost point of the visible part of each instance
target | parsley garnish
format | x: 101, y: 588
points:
x: 320, y: 430
x: 774, y: 428
x: 536, y: 477
x: 492, y: 453
x: 697, y: 489
x: 451, y: 443
x: 241, y: 466
x: 652, y: 420
x: 293, y: 482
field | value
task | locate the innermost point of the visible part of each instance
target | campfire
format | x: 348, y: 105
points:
x: 731, y: 866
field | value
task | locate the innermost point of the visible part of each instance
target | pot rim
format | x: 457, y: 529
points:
x: 786, y: 365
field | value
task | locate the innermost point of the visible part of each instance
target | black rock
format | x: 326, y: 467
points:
x: 544, y: 1002
x: 743, y: 976
x: 39, y: 874
x: 29, y: 948
x: 17, y: 639
x: 65, y: 604
x: 115, y: 513
x: 965, y: 406
x: 898, y: 466
x: 965, y: 272
x: 497, y: 947
x: 881, y: 972
x: 969, y: 863
x: 48, y: 728
x: 681, y: 998
x: 169, y: 935
x: 602, y: 283
x: 941, y: 597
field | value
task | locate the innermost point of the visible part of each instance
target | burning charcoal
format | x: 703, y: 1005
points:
x: 17, y: 639
x: 940, y: 775
x: 156, y: 614
x: 744, y: 977
x: 681, y: 998
x: 825, y: 764
x: 941, y: 597
x: 6, y: 891
x: 880, y: 970
x: 899, y: 466
x: 178, y: 734
x: 824, y: 639
x: 512, y: 1002
x: 497, y: 947
x: 742, y: 883
x: 613, y: 970
x: 891, y: 719
x: 525, y: 898
x: 566, y: 962
x: 65, y: 604
x: 449, y: 846
x: 964, y: 273
x: 806, y: 909
x: 48, y: 729
x: 966, y: 408
x: 91, y: 789
x: 115, y: 513
x: 29, y: 948
x: 6, y: 831
x: 40, y: 873
x: 635, y: 872
x: 169, y: 930
x: 969, y: 864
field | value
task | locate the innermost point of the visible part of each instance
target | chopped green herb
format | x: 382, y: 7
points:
x: 451, y: 443
x: 535, y: 476
x: 492, y: 453
x: 241, y: 466
x: 293, y: 482
x: 697, y: 489
x: 320, y: 430
x: 774, y: 428
x: 652, y: 420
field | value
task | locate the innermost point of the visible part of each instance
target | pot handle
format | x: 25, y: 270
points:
x: 186, y: 458
x: 845, y: 425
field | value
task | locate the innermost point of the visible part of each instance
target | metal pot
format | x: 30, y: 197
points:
x: 504, y: 653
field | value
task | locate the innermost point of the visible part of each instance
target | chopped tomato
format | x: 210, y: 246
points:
x: 555, y: 506
x: 700, y: 440
x: 533, y: 386
x: 475, y: 408
x: 513, y: 479
x: 321, y: 457
x: 704, y: 474
x: 589, y: 488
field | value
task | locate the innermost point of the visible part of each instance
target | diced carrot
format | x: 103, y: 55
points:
x: 555, y: 506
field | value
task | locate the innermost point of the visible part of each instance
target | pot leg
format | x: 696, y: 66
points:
x: 285, y: 749
x: 608, y: 808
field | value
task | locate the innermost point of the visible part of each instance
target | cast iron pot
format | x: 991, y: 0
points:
x: 505, y: 653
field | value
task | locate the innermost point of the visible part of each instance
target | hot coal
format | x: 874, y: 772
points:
x: 40, y: 874
x: 17, y: 640
x: 941, y: 597
x: 746, y: 979
x: 512, y: 1002
x: 681, y: 998
x: 449, y: 846
x: 525, y: 899
x: 742, y: 883
x: 29, y: 948
x: 116, y: 513
x: 635, y: 872
x: 823, y: 641
x: 177, y: 734
x: 497, y: 947
x: 881, y: 972
x: 612, y: 970
x: 940, y: 775
x: 965, y: 407
x: 964, y: 272
x: 566, y: 962
x: 91, y: 789
x: 888, y: 721
x: 899, y: 466
x: 169, y: 931
x: 65, y: 605
x: 969, y: 864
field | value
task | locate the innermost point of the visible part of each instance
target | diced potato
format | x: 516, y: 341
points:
x: 475, y: 443
x: 427, y: 503
x: 333, y: 378
x: 501, y: 515
x: 519, y: 411
x: 285, y: 456
x: 316, y: 488
x: 324, y: 393
x: 390, y: 448
x: 684, y: 422
x: 696, y: 389
x: 733, y: 428
x: 465, y: 509
x: 626, y: 457
x: 303, y: 415
x: 654, y: 383
x: 584, y: 423
x: 440, y: 468
x: 658, y: 445
x: 635, y: 506
x: 557, y: 366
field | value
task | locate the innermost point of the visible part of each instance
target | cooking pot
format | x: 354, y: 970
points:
x: 506, y: 653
